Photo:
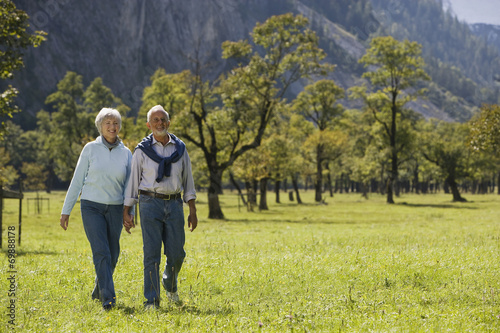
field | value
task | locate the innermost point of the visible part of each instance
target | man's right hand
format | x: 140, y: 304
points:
x: 128, y: 220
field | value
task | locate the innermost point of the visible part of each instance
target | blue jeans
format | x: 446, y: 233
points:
x: 162, y: 221
x: 103, y: 225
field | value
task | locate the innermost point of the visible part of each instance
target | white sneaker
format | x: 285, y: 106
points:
x: 151, y: 306
x: 173, y: 297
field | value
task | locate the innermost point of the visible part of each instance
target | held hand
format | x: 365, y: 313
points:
x: 192, y: 221
x: 128, y: 221
x: 64, y: 220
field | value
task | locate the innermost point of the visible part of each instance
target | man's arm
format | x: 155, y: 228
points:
x: 192, y: 218
x: 128, y: 219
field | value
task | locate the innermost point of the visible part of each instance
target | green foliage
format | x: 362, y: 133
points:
x: 97, y: 96
x: 368, y: 151
x: 485, y: 130
x: 400, y: 64
x: 14, y: 38
x: 8, y: 175
x: 443, y: 144
x: 167, y: 90
x: 319, y: 103
x: 352, y: 265
x: 35, y: 176
x: 24, y: 152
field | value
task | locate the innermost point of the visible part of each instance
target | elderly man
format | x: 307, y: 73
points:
x: 160, y: 171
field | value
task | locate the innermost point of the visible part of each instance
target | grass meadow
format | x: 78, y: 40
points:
x: 424, y: 264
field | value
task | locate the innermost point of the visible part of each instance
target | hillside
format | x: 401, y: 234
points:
x: 125, y: 42
x: 490, y: 33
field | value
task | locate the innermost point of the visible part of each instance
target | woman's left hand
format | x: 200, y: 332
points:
x: 64, y: 221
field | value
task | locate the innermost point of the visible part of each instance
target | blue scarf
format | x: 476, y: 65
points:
x: 164, y: 163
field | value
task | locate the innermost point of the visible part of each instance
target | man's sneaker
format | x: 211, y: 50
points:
x: 173, y: 297
x: 151, y: 306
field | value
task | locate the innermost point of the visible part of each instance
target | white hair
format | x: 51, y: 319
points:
x: 157, y: 108
x: 107, y: 113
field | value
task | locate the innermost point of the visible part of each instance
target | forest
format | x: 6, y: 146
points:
x: 244, y: 131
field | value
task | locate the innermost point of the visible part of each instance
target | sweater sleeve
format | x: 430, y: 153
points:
x: 129, y: 162
x: 76, y: 185
x: 129, y: 167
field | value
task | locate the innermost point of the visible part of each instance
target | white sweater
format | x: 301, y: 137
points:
x: 101, y: 175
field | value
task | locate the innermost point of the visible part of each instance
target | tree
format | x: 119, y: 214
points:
x: 484, y: 134
x: 319, y: 104
x: 8, y: 174
x: 485, y: 130
x: 35, y: 176
x: 397, y: 67
x: 14, y: 38
x: 251, y: 167
x: 227, y: 119
x: 443, y: 144
x: 27, y: 154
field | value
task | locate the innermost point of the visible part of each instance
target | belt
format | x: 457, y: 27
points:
x: 161, y: 196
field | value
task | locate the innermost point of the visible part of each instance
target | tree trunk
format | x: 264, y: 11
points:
x: 390, y: 196
x: 263, y: 194
x: 318, y: 185
x: 381, y: 186
x: 364, y: 189
x: 215, y: 187
x: 393, y: 178
x: 295, y: 184
x: 498, y: 183
x: 235, y: 184
x: 454, y: 189
x: 277, y: 185
x: 416, y: 187
x: 341, y: 183
x: 329, y: 181
x: 251, y: 197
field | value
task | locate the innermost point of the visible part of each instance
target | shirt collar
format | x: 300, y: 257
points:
x: 156, y: 141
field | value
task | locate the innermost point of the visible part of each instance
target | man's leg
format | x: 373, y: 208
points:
x: 174, y: 239
x: 152, y: 229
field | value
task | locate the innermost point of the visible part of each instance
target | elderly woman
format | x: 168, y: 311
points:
x: 101, y: 176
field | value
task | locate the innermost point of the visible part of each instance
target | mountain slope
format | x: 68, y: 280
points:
x: 125, y: 42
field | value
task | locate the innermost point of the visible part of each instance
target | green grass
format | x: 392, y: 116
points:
x: 424, y: 264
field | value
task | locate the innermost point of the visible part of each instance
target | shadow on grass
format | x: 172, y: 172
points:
x: 304, y: 221
x: 20, y: 253
x: 125, y: 309
x: 169, y: 308
x: 455, y: 205
x: 281, y: 204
